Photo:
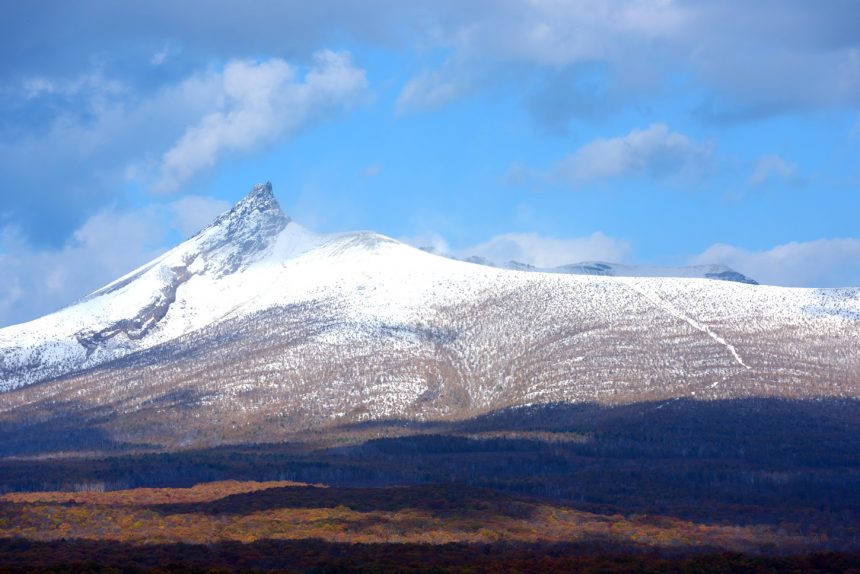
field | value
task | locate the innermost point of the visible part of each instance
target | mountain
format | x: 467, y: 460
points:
x: 257, y: 327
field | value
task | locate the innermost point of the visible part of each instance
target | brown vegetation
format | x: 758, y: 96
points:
x: 318, y: 557
x: 248, y: 512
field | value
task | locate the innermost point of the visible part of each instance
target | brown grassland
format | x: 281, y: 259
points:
x: 292, y: 527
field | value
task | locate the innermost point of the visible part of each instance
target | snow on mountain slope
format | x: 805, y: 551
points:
x: 199, y: 282
x: 257, y: 323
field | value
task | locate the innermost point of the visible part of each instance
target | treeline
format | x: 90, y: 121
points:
x: 20, y: 557
x: 777, y: 462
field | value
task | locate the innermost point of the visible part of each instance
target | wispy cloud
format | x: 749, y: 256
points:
x: 532, y: 248
x: 542, y: 251
x: 771, y: 168
x: 160, y: 57
x: 431, y: 89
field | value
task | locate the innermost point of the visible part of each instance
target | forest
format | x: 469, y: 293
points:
x: 763, y: 484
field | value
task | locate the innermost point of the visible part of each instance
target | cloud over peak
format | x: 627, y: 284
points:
x: 531, y: 248
x: 259, y: 102
x: 542, y: 251
x: 818, y: 263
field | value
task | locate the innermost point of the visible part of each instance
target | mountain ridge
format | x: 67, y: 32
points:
x: 257, y: 320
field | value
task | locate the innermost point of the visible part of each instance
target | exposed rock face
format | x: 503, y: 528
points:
x: 256, y: 327
x: 240, y: 236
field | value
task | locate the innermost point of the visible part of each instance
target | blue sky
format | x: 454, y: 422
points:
x: 638, y: 131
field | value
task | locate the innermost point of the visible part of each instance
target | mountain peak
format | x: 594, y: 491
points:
x: 261, y: 191
x: 260, y: 198
x: 260, y: 202
x: 247, y: 230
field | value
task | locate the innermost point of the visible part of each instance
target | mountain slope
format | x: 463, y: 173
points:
x: 257, y: 327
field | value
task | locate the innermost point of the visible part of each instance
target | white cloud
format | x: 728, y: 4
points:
x: 542, y: 251
x: 108, y: 245
x: 111, y: 136
x: 781, y: 56
x: 258, y: 103
x: 819, y: 263
x: 430, y: 90
x: 558, y: 33
x: 763, y: 57
x: 93, y: 84
x: 102, y: 134
x: 654, y: 152
x: 770, y: 168
x: 531, y: 248
x: 38, y: 86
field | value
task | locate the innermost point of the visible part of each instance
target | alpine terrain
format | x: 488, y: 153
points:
x: 256, y: 328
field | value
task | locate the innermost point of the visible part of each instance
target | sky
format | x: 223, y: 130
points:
x: 654, y: 132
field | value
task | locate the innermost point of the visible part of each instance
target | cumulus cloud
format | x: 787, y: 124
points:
x: 531, y: 248
x: 819, y: 263
x: 259, y: 103
x: 655, y: 152
x: 108, y: 245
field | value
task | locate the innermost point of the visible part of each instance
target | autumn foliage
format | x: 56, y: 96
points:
x: 246, y: 512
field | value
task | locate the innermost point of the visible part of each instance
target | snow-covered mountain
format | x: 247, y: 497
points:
x: 256, y: 326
